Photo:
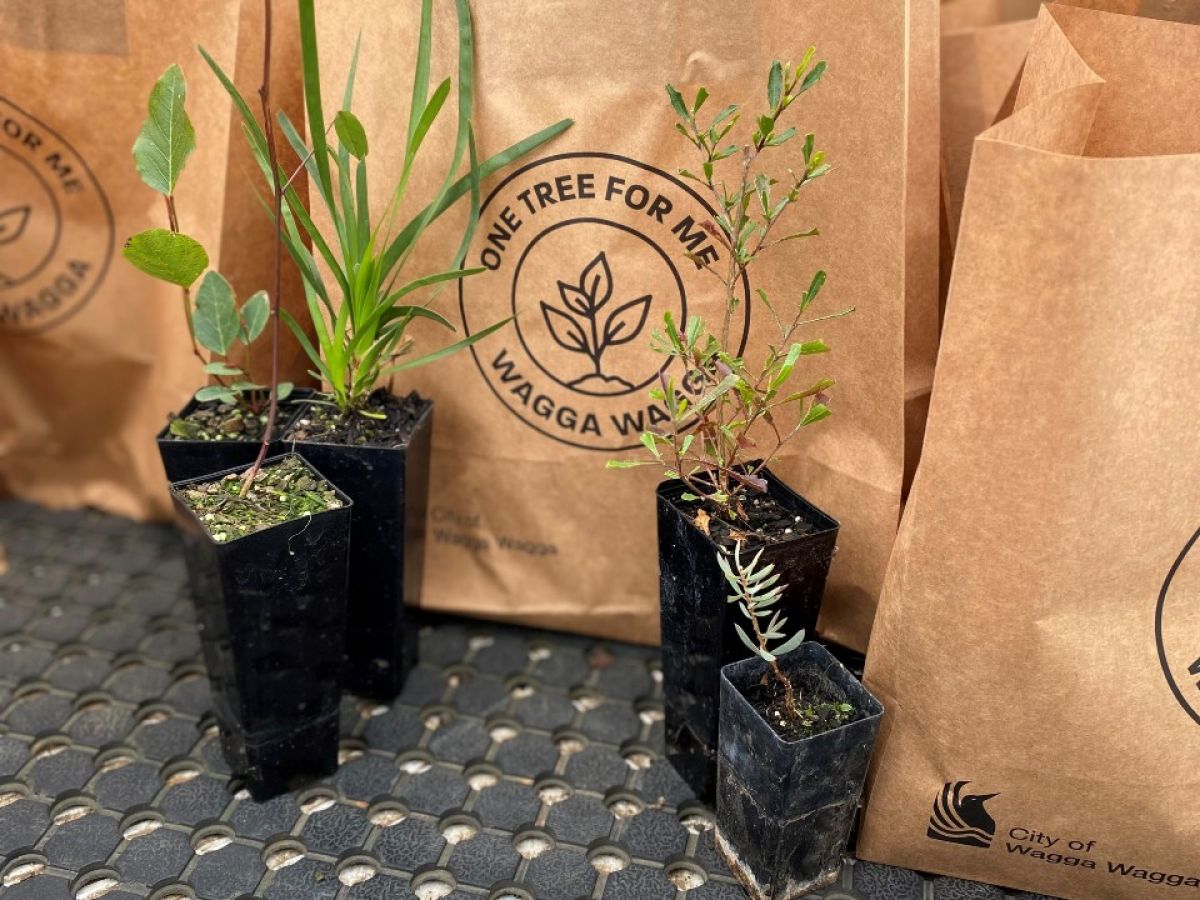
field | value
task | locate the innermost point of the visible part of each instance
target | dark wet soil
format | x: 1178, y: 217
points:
x: 822, y: 705
x: 385, y: 420
x: 767, y: 522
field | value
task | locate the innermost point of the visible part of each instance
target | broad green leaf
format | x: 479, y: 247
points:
x: 222, y: 368
x: 216, y: 318
x: 810, y: 347
x: 677, y: 103
x: 174, y: 258
x: 255, y: 313
x: 167, y: 137
x: 775, y: 84
x: 812, y: 77
x: 816, y: 413
x: 246, y: 386
x: 285, y: 389
x: 351, y: 133
x: 216, y: 392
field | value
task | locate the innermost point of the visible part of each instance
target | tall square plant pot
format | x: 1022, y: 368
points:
x: 698, y: 635
x: 187, y: 458
x: 390, y: 490
x: 271, y: 609
x: 785, y: 808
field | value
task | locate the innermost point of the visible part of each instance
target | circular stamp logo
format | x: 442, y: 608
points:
x: 588, y: 251
x: 56, y: 227
x: 1177, y: 628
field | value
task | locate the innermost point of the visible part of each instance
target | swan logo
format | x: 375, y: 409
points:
x: 1177, y: 628
x: 56, y: 227
x: 587, y: 252
x: 961, y: 818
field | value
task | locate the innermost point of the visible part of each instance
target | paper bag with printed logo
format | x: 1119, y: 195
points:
x: 93, y: 354
x: 526, y: 523
x: 1038, y: 642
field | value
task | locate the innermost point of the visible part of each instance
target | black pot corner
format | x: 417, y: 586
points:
x: 785, y: 809
x: 271, y: 610
x: 390, y: 489
x: 698, y: 635
x: 184, y: 459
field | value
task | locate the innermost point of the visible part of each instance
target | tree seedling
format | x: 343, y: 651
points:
x: 722, y: 405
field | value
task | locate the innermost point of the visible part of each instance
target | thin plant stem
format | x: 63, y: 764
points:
x: 264, y: 94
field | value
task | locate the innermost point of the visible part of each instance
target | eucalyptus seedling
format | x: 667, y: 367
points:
x: 722, y: 404
x: 216, y: 321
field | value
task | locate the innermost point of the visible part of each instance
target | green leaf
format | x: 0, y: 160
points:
x: 222, y: 368
x: 312, y: 93
x: 677, y: 103
x: 284, y: 389
x: 816, y: 413
x: 775, y: 84
x: 701, y: 96
x: 754, y: 648
x: 246, y: 386
x: 428, y: 115
x: 174, y: 258
x: 626, y: 463
x: 167, y: 138
x: 791, y: 644
x: 812, y: 77
x: 351, y: 133
x: 255, y: 313
x: 810, y: 347
x: 184, y: 429
x: 446, y: 351
x: 216, y: 318
x: 216, y: 392
x: 725, y: 113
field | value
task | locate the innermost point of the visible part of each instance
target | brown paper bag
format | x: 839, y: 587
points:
x: 92, y: 353
x: 526, y: 523
x: 1037, y: 642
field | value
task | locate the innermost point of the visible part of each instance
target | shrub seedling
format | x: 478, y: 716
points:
x: 712, y: 411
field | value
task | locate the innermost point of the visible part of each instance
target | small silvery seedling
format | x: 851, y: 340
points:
x: 756, y: 589
x: 215, y: 320
x: 724, y: 404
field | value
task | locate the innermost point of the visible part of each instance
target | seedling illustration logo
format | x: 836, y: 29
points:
x: 56, y: 228
x: 960, y: 818
x: 1177, y: 628
x: 588, y: 251
x: 578, y: 328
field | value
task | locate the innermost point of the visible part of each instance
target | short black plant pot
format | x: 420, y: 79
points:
x: 785, y: 807
x: 698, y: 635
x: 186, y: 458
x: 271, y: 610
x: 390, y: 488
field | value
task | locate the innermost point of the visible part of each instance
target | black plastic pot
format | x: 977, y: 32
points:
x: 785, y: 808
x: 698, y: 635
x: 184, y: 459
x: 390, y: 490
x: 271, y: 608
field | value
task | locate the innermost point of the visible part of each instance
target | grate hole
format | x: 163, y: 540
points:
x: 459, y: 827
x: 283, y: 853
x: 357, y: 869
x: 530, y: 843
x: 433, y: 884
x: 608, y: 858
x: 385, y: 813
x: 686, y: 876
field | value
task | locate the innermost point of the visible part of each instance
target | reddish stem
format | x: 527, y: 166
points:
x: 264, y: 93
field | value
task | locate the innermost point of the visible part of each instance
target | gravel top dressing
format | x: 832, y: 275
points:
x: 281, y: 492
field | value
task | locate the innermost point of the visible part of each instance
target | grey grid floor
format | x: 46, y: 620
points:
x: 517, y: 764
